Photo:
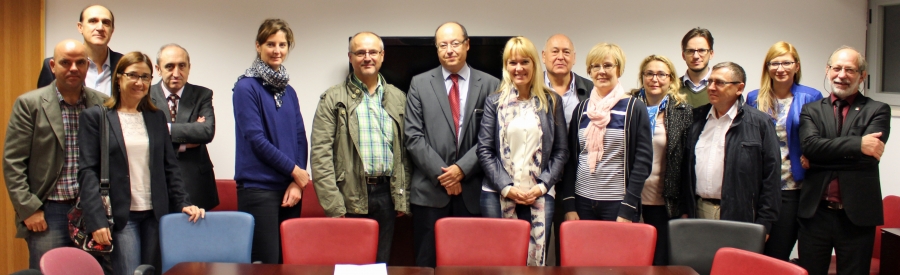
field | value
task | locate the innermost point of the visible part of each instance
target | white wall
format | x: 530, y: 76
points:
x: 220, y: 37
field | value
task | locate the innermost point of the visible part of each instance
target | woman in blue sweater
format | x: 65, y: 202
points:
x: 781, y: 96
x: 270, y: 162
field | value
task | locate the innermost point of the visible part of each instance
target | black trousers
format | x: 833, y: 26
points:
x: 658, y: 217
x: 424, y: 218
x: 265, y: 206
x: 784, y: 232
x: 830, y: 228
x: 559, y: 216
x: 381, y: 209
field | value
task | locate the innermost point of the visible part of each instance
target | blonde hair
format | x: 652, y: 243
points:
x: 765, y: 100
x: 674, y: 84
x: 523, y: 47
x: 601, y: 51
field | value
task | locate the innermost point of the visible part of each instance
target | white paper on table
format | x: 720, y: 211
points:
x: 352, y: 269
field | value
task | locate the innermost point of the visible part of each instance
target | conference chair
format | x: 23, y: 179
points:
x: 69, y: 260
x: 225, y: 236
x: 733, y: 261
x: 482, y: 242
x: 329, y: 241
x: 694, y: 242
x: 891, y: 206
x: 606, y: 243
x: 227, y: 190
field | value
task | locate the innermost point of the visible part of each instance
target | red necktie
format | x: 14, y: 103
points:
x: 454, y: 102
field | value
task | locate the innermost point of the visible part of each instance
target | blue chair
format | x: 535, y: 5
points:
x: 224, y: 236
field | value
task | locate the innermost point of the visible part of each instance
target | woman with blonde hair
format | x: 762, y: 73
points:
x: 781, y: 96
x: 609, y: 144
x: 522, y: 146
x: 670, y: 119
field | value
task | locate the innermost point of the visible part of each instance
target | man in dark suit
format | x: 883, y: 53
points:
x: 843, y: 137
x: 40, y: 154
x: 443, y: 114
x: 96, y: 23
x: 193, y: 126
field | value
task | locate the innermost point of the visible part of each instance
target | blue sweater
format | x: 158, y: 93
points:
x: 269, y: 141
x: 802, y: 95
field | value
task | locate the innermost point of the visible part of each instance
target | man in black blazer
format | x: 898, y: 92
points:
x: 194, y: 125
x: 843, y: 138
x: 96, y: 24
x: 443, y: 114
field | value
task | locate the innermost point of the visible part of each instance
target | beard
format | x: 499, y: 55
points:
x: 844, y: 93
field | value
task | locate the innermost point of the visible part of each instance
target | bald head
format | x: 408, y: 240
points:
x: 69, y: 65
x: 558, y: 55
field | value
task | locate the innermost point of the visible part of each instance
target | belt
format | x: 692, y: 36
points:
x: 378, y: 180
x: 713, y: 201
x: 72, y: 201
x: 832, y: 205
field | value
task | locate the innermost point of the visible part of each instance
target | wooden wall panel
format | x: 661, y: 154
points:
x: 21, y: 53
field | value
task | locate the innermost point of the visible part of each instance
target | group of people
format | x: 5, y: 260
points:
x: 542, y: 144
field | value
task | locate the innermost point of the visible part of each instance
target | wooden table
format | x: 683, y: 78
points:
x: 194, y: 268
x: 552, y: 270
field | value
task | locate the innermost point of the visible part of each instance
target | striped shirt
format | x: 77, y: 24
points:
x: 67, y: 185
x: 607, y: 183
x: 376, y: 131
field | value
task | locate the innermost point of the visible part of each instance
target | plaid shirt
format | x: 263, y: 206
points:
x: 376, y: 131
x: 67, y: 185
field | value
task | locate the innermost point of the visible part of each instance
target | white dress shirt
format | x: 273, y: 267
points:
x: 97, y: 80
x: 463, y: 83
x: 696, y: 87
x: 710, y: 153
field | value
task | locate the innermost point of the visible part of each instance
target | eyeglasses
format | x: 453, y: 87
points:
x: 785, y: 64
x: 720, y: 84
x: 557, y: 52
x: 455, y: 45
x: 702, y: 52
x: 847, y: 70
x: 134, y: 77
x: 606, y: 67
x: 650, y: 75
x: 373, y: 54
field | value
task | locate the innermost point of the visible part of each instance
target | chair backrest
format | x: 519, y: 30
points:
x: 694, y: 242
x: 227, y: 190
x: 606, y: 243
x: 481, y: 242
x: 69, y: 260
x: 225, y: 236
x: 329, y: 241
x: 310, y: 203
x: 891, y: 206
x: 733, y: 261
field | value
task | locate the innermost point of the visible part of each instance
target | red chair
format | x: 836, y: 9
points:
x: 606, y: 243
x: 329, y: 241
x: 69, y: 260
x: 891, y: 206
x: 227, y: 195
x: 481, y: 242
x: 310, y: 203
x: 733, y: 261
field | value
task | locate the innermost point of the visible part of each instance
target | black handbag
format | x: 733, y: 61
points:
x: 82, y: 238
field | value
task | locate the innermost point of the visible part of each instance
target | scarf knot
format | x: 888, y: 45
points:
x: 274, y: 81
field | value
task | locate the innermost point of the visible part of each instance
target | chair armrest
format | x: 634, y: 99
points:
x: 145, y: 269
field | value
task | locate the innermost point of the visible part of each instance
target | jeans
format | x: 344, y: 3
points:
x: 589, y: 209
x: 381, y: 209
x: 490, y: 204
x: 136, y: 244
x: 56, y: 235
x: 265, y: 206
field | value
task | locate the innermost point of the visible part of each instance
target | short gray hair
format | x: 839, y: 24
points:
x: 172, y: 45
x: 861, y: 62
x: 737, y: 72
x: 350, y: 43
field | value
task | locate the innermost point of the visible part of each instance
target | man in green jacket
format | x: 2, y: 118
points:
x: 359, y: 164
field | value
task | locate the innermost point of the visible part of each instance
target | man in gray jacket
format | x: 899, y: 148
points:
x: 358, y: 159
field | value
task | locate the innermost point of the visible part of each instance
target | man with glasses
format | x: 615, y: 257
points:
x: 843, y: 137
x: 358, y: 157
x: 192, y: 123
x: 96, y: 24
x: 734, y: 164
x: 696, y: 50
x: 40, y: 154
x: 443, y: 114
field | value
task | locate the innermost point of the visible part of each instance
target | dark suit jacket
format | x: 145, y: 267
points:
x: 196, y: 167
x: 47, y: 76
x: 583, y: 87
x: 430, y: 139
x: 34, y: 151
x: 166, y: 187
x: 832, y: 156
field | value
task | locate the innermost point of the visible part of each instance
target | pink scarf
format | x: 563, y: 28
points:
x: 598, y: 111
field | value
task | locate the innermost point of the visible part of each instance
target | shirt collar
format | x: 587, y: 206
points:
x: 362, y: 86
x: 105, y: 63
x: 463, y: 73
x: 732, y: 112
x: 81, y: 100
x: 687, y: 79
x: 571, y: 82
x: 849, y: 99
x: 166, y: 91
